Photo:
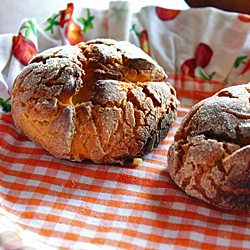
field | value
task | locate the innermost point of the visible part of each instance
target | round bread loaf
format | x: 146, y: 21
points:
x: 210, y: 156
x: 103, y: 100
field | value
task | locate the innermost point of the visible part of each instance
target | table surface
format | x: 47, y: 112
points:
x: 12, y: 12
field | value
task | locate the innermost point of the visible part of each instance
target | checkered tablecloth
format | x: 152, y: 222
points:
x: 49, y: 203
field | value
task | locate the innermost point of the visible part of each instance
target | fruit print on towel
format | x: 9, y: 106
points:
x: 5, y: 104
x: 202, y: 58
x: 243, y: 60
x: 143, y: 36
x: 23, y: 48
x: 244, y: 18
x: 166, y: 14
x: 73, y: 32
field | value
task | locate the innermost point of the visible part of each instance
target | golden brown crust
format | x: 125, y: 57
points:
x: 103, y: 100
x: 210, y: 157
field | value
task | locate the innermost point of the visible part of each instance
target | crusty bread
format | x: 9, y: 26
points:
x: 103, y: 100
x: 210, y: 157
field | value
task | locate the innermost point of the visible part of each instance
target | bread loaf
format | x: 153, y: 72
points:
x: 102, y: 100
x: 210, y: 156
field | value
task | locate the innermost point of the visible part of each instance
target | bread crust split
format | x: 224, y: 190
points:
x: 210, y: 156
x: 103, y: 100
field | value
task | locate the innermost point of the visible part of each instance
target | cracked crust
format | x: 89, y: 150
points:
x: 210, y: 156
x: 103, y: 100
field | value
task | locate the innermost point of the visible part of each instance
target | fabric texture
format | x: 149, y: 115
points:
x: 49, y: 203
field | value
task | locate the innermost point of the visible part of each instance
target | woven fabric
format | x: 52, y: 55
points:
x: 49, y: 203
x: 68, y: 204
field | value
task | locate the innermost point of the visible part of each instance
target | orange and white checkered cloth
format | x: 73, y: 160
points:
x: 66, y: 204
x: 49, y: 203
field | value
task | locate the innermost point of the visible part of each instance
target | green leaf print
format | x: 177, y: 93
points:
x: 204, y: 76
x: 52, y: 22
x: 6, y: 106
x: 30, y: 27
x: 87, y: 23
x: 239, y: 60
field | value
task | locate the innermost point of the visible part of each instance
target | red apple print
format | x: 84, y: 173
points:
x: 244, y: 17
x: 143, y: 36
x: 72, y: 30
x: 144, y: 41
x: 66, y: 14
x: 202, y: 58
x: 73, y: 33
x: 188, y: 67
x: 203, y: 55
x: 247, y: 67
x: 166, y: 14
x: 23, y: 49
